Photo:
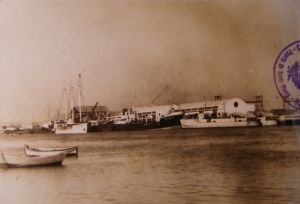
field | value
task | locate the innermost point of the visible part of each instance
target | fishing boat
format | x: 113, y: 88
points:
x: 30, y: 151
x: 222, y: 113
x: 24, y: 161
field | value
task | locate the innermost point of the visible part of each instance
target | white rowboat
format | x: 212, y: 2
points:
x: 24, y: 161
x: 32, y: 152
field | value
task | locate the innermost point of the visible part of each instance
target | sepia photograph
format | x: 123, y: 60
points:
x: 150, y: 101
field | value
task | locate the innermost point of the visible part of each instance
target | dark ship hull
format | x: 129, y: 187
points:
x: 132, y: 126
x: 290, y: 122
x: 290, y: 119
x: 101, y: 127
x: 166, y: 122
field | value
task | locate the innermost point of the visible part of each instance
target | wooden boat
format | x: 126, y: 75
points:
x: 30, y: 151
x: 24, y: 161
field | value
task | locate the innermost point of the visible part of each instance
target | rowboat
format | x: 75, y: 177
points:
x: 32, y: 152
x: 24, y: 161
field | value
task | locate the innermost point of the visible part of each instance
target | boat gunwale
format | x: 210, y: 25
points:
x: 69, y: 151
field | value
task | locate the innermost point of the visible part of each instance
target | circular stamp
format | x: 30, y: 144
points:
x: 287, y: 74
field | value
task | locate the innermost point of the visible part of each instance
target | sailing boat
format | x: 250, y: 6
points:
x: 71, y: 127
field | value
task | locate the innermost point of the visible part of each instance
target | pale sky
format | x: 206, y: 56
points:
x: 206, y: 48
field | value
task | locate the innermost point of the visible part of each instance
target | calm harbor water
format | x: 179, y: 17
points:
x: 230, y: 165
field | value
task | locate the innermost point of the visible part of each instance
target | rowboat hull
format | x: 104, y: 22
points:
x: 33, y: 152
x: 23, y: 161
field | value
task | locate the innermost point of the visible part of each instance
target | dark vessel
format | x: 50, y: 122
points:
x: 289, y: 117
x: 150, y: 117
x: 97, y: 117
x: 144, y: 118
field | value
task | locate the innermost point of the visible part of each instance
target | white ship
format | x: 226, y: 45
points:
x: 70, y: 126
x: 71, y: 129
x: 222, y: 113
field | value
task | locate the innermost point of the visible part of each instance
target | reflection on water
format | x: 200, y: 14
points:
x: 234, y: 165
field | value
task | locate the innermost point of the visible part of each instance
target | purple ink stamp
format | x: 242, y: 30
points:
x: 287, y: 74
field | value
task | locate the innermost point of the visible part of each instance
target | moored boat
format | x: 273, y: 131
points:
x: 289, y: 117
x: 72, y: 129
x: 222, y: 113
x: 149, y: 117
x: 75, y: 124
x: 24, y: 161
x: 30, y: 151
x: 98, y: 118
x: 266, y: 118
x: 145, y: 118
x: 124, y: 123
x: 199, y: 121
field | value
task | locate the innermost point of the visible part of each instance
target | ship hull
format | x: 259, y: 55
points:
x: 289, y: 119
x: 194, y: 123
x: 80, y: 128
x: 169, y: 121
x: 289, y: 122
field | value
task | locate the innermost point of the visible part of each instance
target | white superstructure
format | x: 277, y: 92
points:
x: 222, y: 113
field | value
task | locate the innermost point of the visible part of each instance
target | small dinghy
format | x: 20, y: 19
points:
x: 34, y: 152
x: 24, y: 161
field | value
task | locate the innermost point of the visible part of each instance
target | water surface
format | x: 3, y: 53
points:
x: 229, y: 165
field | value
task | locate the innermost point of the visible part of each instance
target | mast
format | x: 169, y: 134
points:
x: 79, y: 97
x: 65, y: 104
x: 71, y: 104
x: 168, y: 86
x: 48, y: 113
x: 133, y: 99
x: 170, y: 92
